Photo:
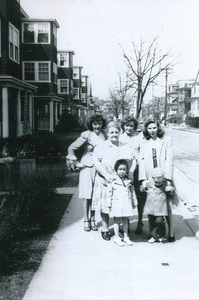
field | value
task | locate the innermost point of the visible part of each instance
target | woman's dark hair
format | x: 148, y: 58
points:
x: 127, y: 120
x: 120, y: 162
x: 160, y: 132
x: 96, y: 118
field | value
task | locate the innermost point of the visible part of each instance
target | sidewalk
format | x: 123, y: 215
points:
x: 81, y: 265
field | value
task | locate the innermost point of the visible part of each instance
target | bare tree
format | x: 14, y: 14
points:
x: 120, y: 98
x: 144, y: 67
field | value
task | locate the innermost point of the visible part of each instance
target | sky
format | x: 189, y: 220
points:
x: 95, y: 29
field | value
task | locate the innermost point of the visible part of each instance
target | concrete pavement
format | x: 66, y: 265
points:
x: 81, y: 265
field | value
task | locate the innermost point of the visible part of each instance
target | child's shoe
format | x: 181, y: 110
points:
x: 152, y: 240
x: 162, y: 240
x: 118, y: 241
x: 128, y: 241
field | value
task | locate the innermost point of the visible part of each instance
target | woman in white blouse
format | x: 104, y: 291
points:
x: 88, y: 139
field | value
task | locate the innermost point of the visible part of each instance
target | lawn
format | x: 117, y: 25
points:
x: 23, y: 249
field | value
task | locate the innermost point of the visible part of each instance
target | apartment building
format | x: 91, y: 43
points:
x: 16, y: 95
x: 39, y: 67
x: 37, y: 82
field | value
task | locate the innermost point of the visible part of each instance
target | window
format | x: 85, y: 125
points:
x: 54, y: 35
x: 75, y: 93
x: 63, y: 86
x: 83, y: 98
x: 43, y: 71
x: 54, y: 73
x: 36, y: 33
x: 29, y: 71
x: 63, y: 60
x: 76, y: 73
x: 36, y: 71
x: 0, y: 37
x: 13, y: 43
x: 83, y: 81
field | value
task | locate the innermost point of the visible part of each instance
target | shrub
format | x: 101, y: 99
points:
x: 67, y: 123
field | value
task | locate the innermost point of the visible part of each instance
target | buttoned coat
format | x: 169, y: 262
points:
x: 164, y: 158
x: 156, y: 201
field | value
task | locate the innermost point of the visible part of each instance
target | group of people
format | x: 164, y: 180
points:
x: 122, y: 169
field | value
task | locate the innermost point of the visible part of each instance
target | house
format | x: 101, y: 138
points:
x: 179, y: 100
x: 39, y: 67
x: 16, y: 95
x: 37, y: 82
x: 194, y: 112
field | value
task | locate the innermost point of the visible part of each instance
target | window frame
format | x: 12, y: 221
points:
x: 55, y: 73
x: 59, y: 86
x: 78, y: 93
x: 14, y: 42
x: 0, y: 37
x: 36, y: 32
x: 66, y: 54
x: 37, y: 72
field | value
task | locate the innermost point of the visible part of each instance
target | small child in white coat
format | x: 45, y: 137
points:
x: 121, y: 201
x: 156, y: 205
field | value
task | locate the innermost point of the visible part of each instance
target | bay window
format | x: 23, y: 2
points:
x: 13, y: 43
x: 36, y: 71
x: 63, y: 59
x: 37, y: 33
x: 63, y: 86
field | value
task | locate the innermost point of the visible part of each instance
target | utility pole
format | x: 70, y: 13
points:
x: 165, y: 105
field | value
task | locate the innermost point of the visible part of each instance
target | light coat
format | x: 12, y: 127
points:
x: 164, y: 158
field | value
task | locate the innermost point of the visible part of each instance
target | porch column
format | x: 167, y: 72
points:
x: 60, y: 109
x: 18, y: 113
x: 31, y: 112
x: 5, y: 114
x: 51, y: 117
x: 56, y: 113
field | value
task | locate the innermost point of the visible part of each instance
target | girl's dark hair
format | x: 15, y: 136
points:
x: 96, y: 118
x: 160, y: 132
x: 127, y: 120
x: 120, y: 162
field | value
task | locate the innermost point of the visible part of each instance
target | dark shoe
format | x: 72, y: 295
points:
x: 139, y: 228
x: 93, y: 226
x: 105, y: 235
x: 87, y: 226
x: 171, y: 239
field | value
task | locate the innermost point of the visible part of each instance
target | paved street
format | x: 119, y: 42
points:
x: 186, y: 152
x: 80, y: 265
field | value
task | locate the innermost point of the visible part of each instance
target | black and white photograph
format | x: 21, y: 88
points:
x: 99, y: 149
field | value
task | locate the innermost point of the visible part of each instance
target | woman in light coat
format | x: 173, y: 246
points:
x: 156, y: 150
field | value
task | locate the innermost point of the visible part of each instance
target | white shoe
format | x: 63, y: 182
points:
x: 128, y: 241
x: 118, y: 242
x: 152, y: 240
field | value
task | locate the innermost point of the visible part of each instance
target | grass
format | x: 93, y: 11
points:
x: 22, y: 251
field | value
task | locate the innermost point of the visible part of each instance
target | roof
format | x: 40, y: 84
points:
x: 40, y: 20
x: 66, y: 51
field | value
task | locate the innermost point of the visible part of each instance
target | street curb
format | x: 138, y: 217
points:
x: 185, y: 129
x: 186, y: 190
x: 189, y: 219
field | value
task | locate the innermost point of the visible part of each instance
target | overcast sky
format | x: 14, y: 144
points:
x: 93, y: 29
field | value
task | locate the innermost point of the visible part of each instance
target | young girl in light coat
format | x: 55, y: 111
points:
x: 121, y: 200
